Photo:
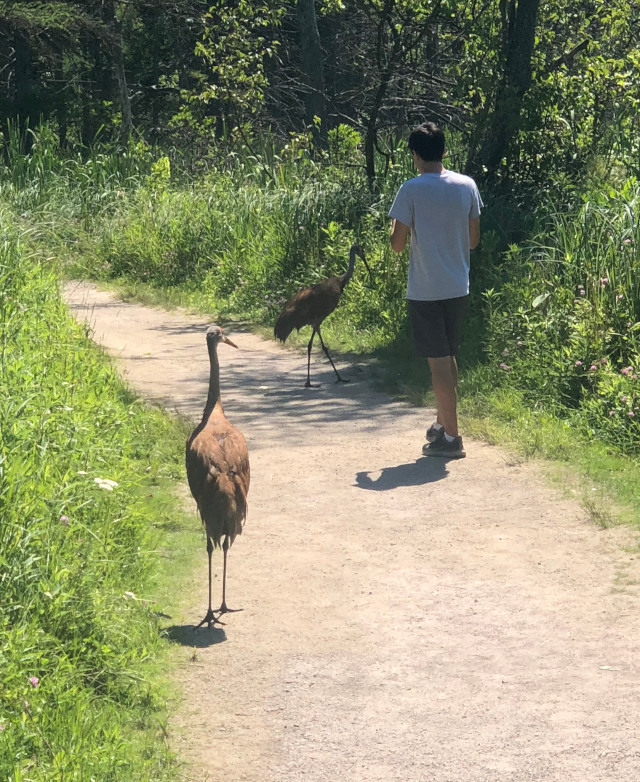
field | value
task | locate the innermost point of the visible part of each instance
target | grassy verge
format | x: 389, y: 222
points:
x: 605, y: 482
x: 86, y: 471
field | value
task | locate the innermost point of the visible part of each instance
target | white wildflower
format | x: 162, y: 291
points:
x: 105, y: 483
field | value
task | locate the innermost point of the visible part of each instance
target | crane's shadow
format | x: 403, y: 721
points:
x: 422, y: 471
x: 200, y: 638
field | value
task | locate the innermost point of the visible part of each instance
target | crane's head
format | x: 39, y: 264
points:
x: 215, y: 335
x: 356, y: 249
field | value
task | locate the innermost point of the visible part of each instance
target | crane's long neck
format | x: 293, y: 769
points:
x: 213, y: 398
x: 352, y: 264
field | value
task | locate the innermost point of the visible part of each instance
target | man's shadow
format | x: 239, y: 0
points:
x: 423, y: 470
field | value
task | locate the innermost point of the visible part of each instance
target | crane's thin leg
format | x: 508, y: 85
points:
x: 308, y: 383
x: 223, y: 608
x: 209, y: 618
x: 326, y: 352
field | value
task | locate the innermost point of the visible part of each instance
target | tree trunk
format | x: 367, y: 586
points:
x: 93, y: 95
x: 155, y: 76
x: 111, y: 18
x: 519, y: 26
x: 61, y: 101
x: 313, y: 76
x: 372, y: 129
x: 23, y: 100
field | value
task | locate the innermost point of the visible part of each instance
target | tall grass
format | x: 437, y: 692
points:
x: 564, y: 327
x: 78, y: 184
x: 248, y: 245
x: 76, y: 640
x: 265, y: 220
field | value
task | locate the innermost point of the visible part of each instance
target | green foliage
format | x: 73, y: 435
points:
x: 236, y: 42
x: 583, y: 97
x: 565, y: 326
x: 86, y: 180
x: 77, y: 453
x: 251, y: 240
x: 51, y: 16
x: 202, y: 74
x: 160, y: 175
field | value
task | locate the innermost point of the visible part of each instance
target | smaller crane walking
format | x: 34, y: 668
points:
x: 217, y: 461
x: 311, y: 305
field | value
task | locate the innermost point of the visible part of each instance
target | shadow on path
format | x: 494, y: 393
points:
x: 187, y: 635
x: 423, y: 470
x: 262, y: 386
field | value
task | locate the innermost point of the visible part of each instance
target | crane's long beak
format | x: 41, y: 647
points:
x: 364, y: 260
x: 229, y: 342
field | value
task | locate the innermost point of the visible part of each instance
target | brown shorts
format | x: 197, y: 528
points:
x: 437, y: 326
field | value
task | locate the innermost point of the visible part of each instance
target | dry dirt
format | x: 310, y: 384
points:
x: 404, y: 619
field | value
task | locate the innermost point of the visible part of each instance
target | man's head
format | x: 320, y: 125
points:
x: 427, y: 141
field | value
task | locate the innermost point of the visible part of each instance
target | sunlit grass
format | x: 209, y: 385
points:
x: 605, y: 482
x: 80, y: 457
x: 82, y: 566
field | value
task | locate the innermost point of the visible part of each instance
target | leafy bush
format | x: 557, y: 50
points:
x: 566, y: 323
x: 251, y: 244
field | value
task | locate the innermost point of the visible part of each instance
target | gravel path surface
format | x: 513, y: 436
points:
x: 405, y: 619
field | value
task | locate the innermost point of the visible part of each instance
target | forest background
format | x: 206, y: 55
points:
x: 220, y: 155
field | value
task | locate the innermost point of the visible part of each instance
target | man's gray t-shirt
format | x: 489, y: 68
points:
x: 437, y: 208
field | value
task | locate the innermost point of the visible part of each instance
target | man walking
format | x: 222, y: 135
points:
x: 440, y: 211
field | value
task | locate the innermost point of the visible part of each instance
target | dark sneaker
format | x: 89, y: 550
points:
x: 434, y: 433
x: 441, y: 447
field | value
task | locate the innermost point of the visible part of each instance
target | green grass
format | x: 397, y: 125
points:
x: 84, y: 590
x: 605, y: 482
x: 80, y: 646
x: 564, y: 321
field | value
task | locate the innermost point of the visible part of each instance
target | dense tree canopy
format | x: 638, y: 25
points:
x: 526, y: 82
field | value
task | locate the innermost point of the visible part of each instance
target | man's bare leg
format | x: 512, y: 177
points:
x: 444, y: 377
x: 454, y: 372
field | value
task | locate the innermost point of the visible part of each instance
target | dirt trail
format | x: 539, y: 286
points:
x: 405, y: 619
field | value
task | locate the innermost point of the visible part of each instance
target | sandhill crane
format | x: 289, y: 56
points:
x: 217, y: 462
x: 310, y: 306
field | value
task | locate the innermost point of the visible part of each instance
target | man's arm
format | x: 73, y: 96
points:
x: 474, y: 232
x: 399, y: 236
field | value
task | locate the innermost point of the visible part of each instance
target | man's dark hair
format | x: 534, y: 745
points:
x: 428, y: 141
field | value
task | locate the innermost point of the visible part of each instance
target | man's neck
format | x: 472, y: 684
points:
x: 430, y: 166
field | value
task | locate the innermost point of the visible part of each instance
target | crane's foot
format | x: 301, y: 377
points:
x: 309, y: 384
x: 224, y: 610
x: 343, y: 380
x: 209, y: 619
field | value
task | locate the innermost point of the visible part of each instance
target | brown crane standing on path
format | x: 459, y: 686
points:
x: 310, y: 306
x: 217, y: 462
